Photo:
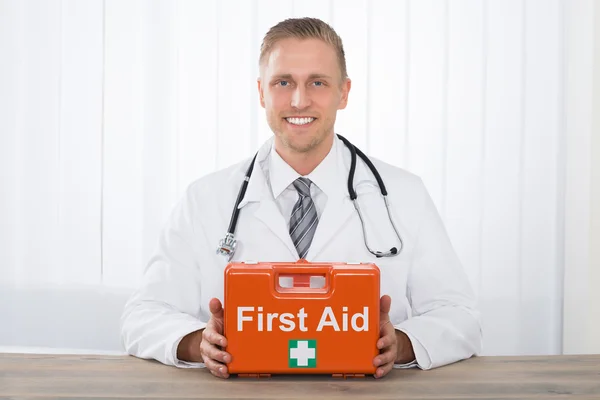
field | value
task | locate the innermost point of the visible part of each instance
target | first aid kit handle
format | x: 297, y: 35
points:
x: 304, y: 269
x: 299, y: 279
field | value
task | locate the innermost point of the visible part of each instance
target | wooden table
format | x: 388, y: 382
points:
x: 103, y: 377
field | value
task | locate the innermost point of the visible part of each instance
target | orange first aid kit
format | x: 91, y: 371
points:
x: 301, y: 318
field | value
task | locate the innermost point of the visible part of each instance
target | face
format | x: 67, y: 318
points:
x: 301, y: 89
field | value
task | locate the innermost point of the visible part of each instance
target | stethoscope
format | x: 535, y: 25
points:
x: 228, y: 244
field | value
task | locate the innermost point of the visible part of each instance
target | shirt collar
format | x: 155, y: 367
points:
x: 281, y: 175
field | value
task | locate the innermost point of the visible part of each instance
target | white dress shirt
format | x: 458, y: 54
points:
x: 281, y: 176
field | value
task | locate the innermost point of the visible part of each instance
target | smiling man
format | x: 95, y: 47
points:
x: 297, y: 205
x: 303, y: 83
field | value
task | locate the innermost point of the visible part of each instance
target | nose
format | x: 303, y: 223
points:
x: 300, y: 98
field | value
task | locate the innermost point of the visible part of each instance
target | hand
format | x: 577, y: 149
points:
x: 213, y: 341
x: 387, y: 343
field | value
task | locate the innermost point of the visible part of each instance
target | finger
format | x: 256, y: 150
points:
x: 213, y: 337
x: 204, y: 349
x: 383, y: 370
x: 214, y: 353
x: 386, y: 357
x: 216, y: 308
x: 385, y: 303
x: 385, y: 328
x: 388, y: 337
x: 216, y: 368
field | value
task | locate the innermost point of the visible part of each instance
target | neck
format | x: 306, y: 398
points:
x: 305, y: 162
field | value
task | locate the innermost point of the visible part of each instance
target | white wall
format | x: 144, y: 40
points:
x: 593, y: 338
x: 108, y: 109
x: 581, y: 325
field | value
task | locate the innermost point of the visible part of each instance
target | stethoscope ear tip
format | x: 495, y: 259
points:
x: 394, y: 250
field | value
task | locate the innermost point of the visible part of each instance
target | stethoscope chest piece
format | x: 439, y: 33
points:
x: 227, y: 246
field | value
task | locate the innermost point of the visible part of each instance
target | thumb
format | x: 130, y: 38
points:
x: 216, y: 309
x: 385, y: 304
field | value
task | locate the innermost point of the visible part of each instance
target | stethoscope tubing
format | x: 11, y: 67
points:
x: 228, y: 244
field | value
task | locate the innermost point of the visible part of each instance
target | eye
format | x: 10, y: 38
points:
x: 283, y: 83
x: 318, y: 83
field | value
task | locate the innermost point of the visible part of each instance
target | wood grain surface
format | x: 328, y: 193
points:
x: 28, y: 376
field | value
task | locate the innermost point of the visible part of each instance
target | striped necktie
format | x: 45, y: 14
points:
x: 304, y: 219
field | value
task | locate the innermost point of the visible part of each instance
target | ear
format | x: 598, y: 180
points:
x: 261, y: 96
x: 346, y: 85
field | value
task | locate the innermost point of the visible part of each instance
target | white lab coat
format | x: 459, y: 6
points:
x: 432, y: 301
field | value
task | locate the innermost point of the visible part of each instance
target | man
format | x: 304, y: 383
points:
x: 297, y: 206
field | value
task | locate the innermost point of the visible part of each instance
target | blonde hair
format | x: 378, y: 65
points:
x: 304, y: 28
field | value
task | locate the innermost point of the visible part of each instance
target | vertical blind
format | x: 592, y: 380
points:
x: 109, y: 109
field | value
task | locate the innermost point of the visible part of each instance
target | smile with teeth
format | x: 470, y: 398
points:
x: 300, y: 121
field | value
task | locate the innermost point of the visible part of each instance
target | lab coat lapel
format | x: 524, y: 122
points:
x: 338, y: 211
x: 267, y: 211
x: 339, y: 208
